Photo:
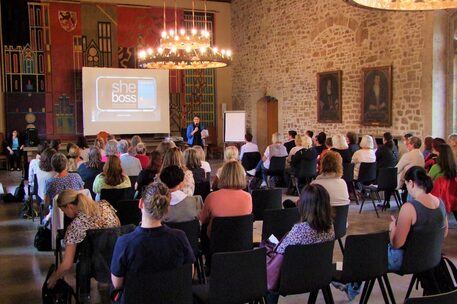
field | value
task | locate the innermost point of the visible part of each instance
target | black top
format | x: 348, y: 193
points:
x: 199, y: 175
x: 145, y: 177
x: 289, y: 145
x: 386, y: 157
x: 319, y: 149
x: 345, y: 154
x: 88, y: 175
x: 353, y: 148
x: 197, y: 136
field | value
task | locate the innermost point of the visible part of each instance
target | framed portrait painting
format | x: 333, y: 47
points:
x: 377, y: 96
x: 329, y: 93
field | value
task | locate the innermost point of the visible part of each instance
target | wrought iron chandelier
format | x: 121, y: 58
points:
x: 184, y: 50
x: 407, y: 5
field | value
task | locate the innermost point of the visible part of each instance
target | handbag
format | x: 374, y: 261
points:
x: 274, y: 264
x: 61, y: 293
x: 43, y: 238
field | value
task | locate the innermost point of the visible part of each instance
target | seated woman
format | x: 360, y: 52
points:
x: 140, y: 150
x: 15, y: 147
x: 423, y: 212
x: 306, y: 154
x: 315, y: 223
x: 331, y: 171
x: 365, y: 154
x: 298, y: 146
x: 100, y: 143
x: 44, y: 171
x: 174, y: 157
x: 230, y: 153
x: 183, y: 208
x: 230, y: 200
x: 193, y: 164
x: 112, y: 177
x: 83, y: 148
x: 151, y: 247
x: 148, y: 174
x: 445, y: 164
x: 90, y: 169
x: 205, y: 165
x: 110, y: 149
x: 276, y: 149
x: 33, y: 166
x: 340, y: 145
x: 430, y: 160
x: 74, y: 157
x: 164, y: 146
x: 86, y: 214
x: 352, y: 140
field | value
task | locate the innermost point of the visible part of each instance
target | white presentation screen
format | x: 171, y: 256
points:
x: 125, y: 101
x: 234, y: 126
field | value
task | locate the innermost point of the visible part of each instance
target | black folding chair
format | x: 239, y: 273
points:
x: 277, y: 168
x: 202, y: 189
x: 367, y: 175
x: 114, y: 195
x: 348, y: 176
x: 250, y: 160
x: 387, y: 182
x: 279, y: 222
x: 444, y: 298
x: 307, y: 268
x: 263, y: 199
x: 192, y: 231
x: 304, y: 174
x: 133, y: 180
x: 128, y: 211
x: 236, y: 277
x: 232, y: 233
x: 365, y: 260
x: 340, y: 223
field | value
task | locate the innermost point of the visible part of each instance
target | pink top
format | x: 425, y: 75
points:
x: 225, y: 202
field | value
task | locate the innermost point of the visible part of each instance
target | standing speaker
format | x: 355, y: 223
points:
x: 32, y: 137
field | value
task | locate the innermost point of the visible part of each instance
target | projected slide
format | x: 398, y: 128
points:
x: 125, y: 101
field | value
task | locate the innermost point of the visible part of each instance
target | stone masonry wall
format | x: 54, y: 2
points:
x: 280, y: 45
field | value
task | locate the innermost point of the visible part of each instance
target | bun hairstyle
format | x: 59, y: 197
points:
x: 83, y: 203
x: 156, y: 200
x: 420, y: 178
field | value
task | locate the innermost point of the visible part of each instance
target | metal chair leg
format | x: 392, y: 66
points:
x: 389, y: 288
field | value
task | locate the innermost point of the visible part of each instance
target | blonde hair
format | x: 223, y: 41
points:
x: 191, y: 158
x: 339, y: 142
x: 82, y: 202
x: 231, y: 153
x: 332, y: 162
x: 307, y: 142
x: 140, y: 148
x: 275, y: 138
x: 298, y: 140
x: 232, y: 176
x: 73, y: 158
x: 174, y: 157
x: 366, y: 142
x: 200, y: 152
x: 156, y: 200
x: 164, y: 146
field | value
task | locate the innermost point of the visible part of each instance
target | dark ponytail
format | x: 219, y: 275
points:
x: 420, y: 178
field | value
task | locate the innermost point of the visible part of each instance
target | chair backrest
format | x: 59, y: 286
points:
x: 306, y: 268
x: 365, y: 256
x: 445, y: 298
x: 340, y: 220
x: 202, y: 189
x: 250, y: 160
x: 387, y: 178
x: 128, y: 211
x: 95, y: 253
x: 133, y: 180
x: 307, y: 168
x: 277, y: 165
x: 232, y: 233
x: 263, y: 199
x: 422, y: 250
x: 348, y: 172
x: 238, y: 277
x: 192, y: 231
x: 367, y: 172
x: 171, y: 286
x: 114, y: 195
x: 279, y: 222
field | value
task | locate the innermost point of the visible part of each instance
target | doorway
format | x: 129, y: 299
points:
x: 267, y: 121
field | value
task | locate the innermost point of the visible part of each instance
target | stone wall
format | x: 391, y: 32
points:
x: 279, y: 47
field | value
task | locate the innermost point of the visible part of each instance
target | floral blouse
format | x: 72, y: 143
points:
x: 303, y: 234
x: 76, y: 231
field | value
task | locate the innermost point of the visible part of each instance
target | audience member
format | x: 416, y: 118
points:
x: 130, y: 164
x: 431, y: 158
x: 340, y: 145
x: 306, y: 154
x: 331, y: 171
x: 183, y: 208
x: 352, y: 140
x: 319, y: 142
x: 452, y: 141
x: 231, y: 199
x: 136, y: 139
x: 90, y: 169
x: 445, y: 164
x: 230, y: 154
x: 290, y: 143
x: 112, y: 177
x: 105, y: 136
x: 365, y: 154
x: 249, y: 146
x: 33, y: 166
x: 83, y: 148
x: 193, y: 164
x: 150, y: 248
x: 205, y: 164
x: 15, y: 147
x: 141, y: 154
x: 412, y: 158
x: 148, y: 174
x: 86, y: 214
x: 298, y: 146
x: 55, y: 144
x: 100, y: 144
x: 276, y: 149
x: 45, y: 171
x: 110, y: 149
x: 315, y: 224
x: 74, y: 160
x: 309, y: 133
x: 386, y: 155
x: 164, y: 146
x: 174, y: 157
x: 427, y: 146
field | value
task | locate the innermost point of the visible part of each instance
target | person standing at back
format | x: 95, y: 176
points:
x: 194, y: 132
x: 387, y: 154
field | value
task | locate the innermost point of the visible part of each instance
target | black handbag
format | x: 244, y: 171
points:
x: 61, y: 293
x: 43, y: 238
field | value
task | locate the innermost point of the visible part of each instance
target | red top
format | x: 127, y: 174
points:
x: 144, y: 160
x: 446, y: 190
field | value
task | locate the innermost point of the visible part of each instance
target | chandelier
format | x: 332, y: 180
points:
x: 184, y: 50
x: 407, y: 5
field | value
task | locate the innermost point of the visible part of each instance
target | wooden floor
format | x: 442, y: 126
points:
x: 23, y: 269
